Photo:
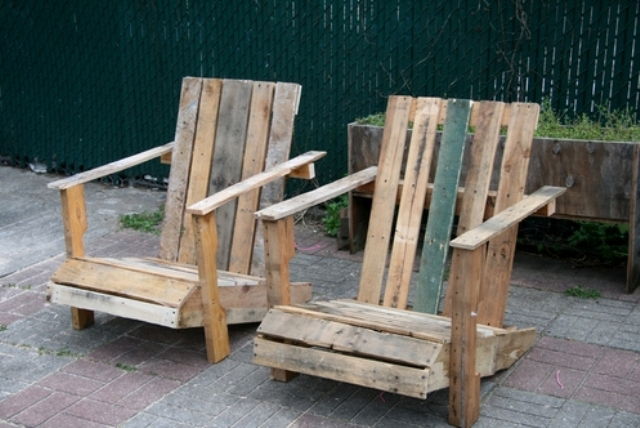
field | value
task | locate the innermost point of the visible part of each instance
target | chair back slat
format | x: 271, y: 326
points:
x: 414, y: 191
x: 226, y: 169
x: 442, y: 208
x: 253, y: 163
x: 227, y: 130
x: 513, y: 177
x: 383, y: 204
x: 180, y: 165
x: 200, y: 172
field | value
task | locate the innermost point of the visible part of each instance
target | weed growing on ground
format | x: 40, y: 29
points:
x: 3, y: 327
x: 126, y: 367
x: 148, y: 222
x: 331, y: 219
x: 582, y: 293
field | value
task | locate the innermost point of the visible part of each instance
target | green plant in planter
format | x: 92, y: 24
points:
x: 331, y: 219
x: 148, y: 222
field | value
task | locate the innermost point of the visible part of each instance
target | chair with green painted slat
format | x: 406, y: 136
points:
x: 374, y: 340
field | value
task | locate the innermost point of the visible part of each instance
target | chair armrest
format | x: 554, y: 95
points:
x: 321, y: 194
x: 504, y: 220
x: 111, y: 168
x: 290, y: 167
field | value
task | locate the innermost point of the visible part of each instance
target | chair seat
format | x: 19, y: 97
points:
x: 158, y: 291
x: 379, y: 347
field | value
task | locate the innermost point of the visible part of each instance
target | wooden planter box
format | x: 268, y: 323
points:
x: 601, y: 177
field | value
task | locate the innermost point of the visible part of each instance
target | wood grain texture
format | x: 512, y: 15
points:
x: 74, y: 218
x: 285, y: 108
x: 213, y: 314
x: 480, y: 165
x: 507, y: 218
x: 513, y: 174
x: 360, y: 371
x: 321, y: 194
x: 200, y: 171
x: 279, y: 249
x: 111, y: 168
x: 180, y: 164
x: 232, y: 192
x: 253, y: 163
x: 228, y: 154
x: 464, y: 381
x: 383, y: 205
x: 442, y: 208
x: 348, y: 338
x: 407, y: 230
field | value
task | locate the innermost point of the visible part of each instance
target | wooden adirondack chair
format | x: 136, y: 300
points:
x: 232, y: 137
x: 380, y: 344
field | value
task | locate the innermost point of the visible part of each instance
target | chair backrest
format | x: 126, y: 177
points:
x: 487, y: 118
x: 227, y: 130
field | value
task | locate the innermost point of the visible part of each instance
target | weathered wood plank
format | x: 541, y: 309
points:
x: 115, y: 305
x: 436, y: 241
x: 213, y: 315
x: 228, y: 154
x: 223, y: 197
x: 279, y: 249
x: 317, y: 196
x: 513, y: 175
x: 180, y: 163
x: 381, y: 323
x: 507, y: 218
x: 111, y: 168
x: 253, y: 163
x: 242, y: 303
x: 144, y: 286
x: 359, y: 371
x: 285, y: 108
x: 200, y: 171
x: 405, y: 241
x: 383, y: 206
x: 74, y: 219
x: 464, y: 381
x: 347, y: 338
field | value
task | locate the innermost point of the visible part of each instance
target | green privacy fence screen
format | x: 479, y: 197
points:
x: 84, y: 82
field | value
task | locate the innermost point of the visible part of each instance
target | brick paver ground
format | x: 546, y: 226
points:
x: 583, y: 371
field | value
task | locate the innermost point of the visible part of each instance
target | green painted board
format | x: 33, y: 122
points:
x: 442, y: 208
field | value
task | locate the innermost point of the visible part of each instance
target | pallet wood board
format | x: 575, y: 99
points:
x: 360, y: 371
x: 442, y: 208
x: 348, y: 338
x: 387, y: 178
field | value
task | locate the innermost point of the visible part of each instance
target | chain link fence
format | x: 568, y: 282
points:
x: 85, y: 82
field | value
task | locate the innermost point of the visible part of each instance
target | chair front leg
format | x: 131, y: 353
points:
x: 214, y: 317
x: 279, y: 250
x: 74, y: 218
x: 464, y: 382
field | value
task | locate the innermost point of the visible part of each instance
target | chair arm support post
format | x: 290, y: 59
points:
x: 74, y: 219
x: 214, y: 316
x: 464, y: 382
x: 279, y: 250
